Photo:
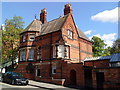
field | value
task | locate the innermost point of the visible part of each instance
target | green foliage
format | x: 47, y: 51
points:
x: 116, y: 47
x: 11, y: 37
x: 99, y: 47
x: 0, y: 46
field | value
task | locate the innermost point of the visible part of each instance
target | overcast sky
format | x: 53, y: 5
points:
x: 93, y: 18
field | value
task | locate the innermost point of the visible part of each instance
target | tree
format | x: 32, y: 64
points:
x: 99, y: 47
x: 116, y: 47
x: 11, y: 37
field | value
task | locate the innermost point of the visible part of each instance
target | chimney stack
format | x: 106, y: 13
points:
x: 67, y: 9
x: 43, y: 16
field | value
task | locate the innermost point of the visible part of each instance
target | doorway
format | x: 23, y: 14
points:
x: 73, y: 77
x: 88, y: 78
x: 100, y: 80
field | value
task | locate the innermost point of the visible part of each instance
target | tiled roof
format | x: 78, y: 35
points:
x: 81, y: 34
x: 97, y: 58
x: 115, y: 58
x: 51, y: 26
x: 35, y: 25
x: 112, y: 58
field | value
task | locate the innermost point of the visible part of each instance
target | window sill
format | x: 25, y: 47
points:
x: 53, y: 73
x: 31, y: 60
x: 70, y: 38
x: 22, y: 61
x: 60, y: 58
x: 39, y: 76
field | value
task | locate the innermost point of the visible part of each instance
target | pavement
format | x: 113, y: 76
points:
x: 35, y: 85
x: 47, y: 85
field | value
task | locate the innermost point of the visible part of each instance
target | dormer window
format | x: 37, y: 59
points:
x: 24, y: 38
x: 70, y: 34
x: 32, y: 37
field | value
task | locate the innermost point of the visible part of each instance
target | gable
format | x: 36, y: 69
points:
x: 70, y: 24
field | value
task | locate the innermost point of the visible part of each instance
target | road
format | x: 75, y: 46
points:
x: 6, y: 86
x: 33, y: 85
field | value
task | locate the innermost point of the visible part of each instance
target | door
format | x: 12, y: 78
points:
x: 100, y: 80
x: 88, y: 78
x: 73, y: 77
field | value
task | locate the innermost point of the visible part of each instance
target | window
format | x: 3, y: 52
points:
x: 66, y: 51
x: 38, y: 72
x: 24, y: 38
x: 38, y: 53
x: 32, y: 37
x: 70, y: 34
x: 31, y: 54
x: 115, y: 64
x: 23, y: 55
x: 54, y: 69
x: 54, y: 51
x: 61, y: 51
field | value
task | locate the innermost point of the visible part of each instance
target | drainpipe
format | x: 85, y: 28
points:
x: 61, y: 69
x: 50, y: 55
x: 79, y: 53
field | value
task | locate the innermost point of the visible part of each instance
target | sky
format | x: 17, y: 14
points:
x: 93, y: 18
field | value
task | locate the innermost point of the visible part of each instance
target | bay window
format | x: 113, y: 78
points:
x: 38, y: 53
x: 32, y: 37
x: 22, y: 55
x: 61, y: 51
x: 31, y: 54
x: 24, y: 38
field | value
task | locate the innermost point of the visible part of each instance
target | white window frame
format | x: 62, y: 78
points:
x: 23, y: 55
x: 31, y: 55
x: 60, y: 51
x: 53, y: 68
x: 115, y: 64
x: 70, y: 34
x: 24, y: 38
x: 54, y: 51
x: 39, y: 53
x: 37, y: 72
x: 32, y: 36
x: 64, y: 53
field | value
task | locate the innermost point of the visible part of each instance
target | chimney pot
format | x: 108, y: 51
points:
x: 67, y: 9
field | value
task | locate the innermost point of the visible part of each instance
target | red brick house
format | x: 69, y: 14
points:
x: 54, y: 51
x: 103, y: 72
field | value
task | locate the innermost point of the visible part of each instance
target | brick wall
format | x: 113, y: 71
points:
x: 97, y: 63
